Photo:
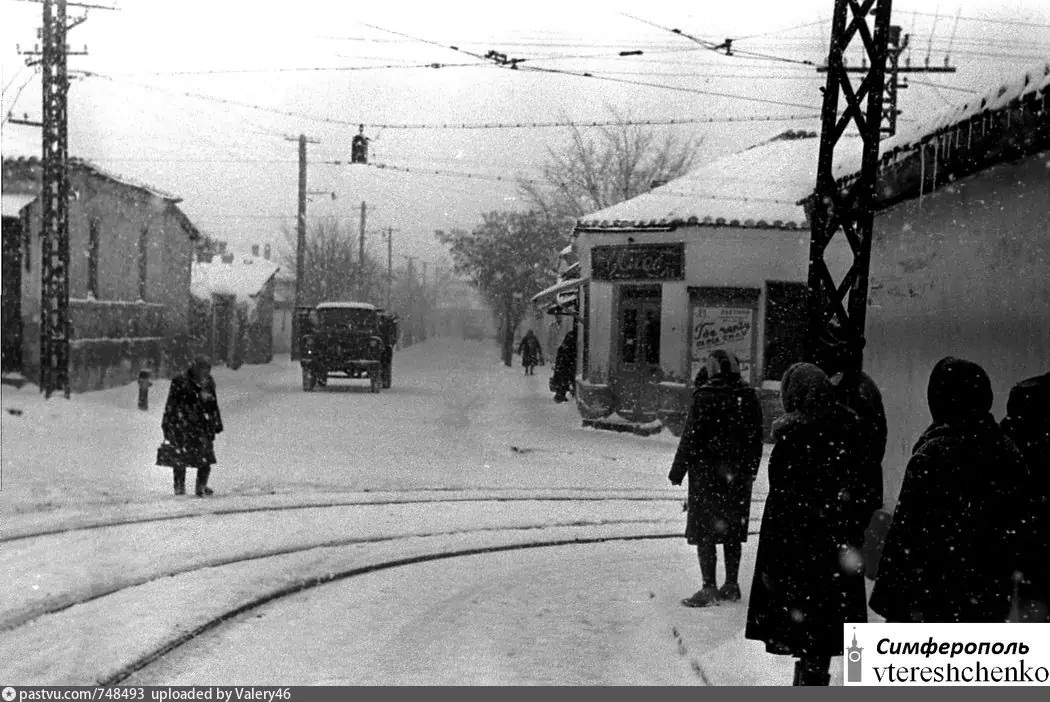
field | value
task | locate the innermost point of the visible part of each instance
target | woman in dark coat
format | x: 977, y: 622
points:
x: 564, y: 377
x: 951, y: 551
x: 808, y: 571
x: 191, y: 422
x: 531, y: 352
x: 720, y: 450
x: 1027, y: 424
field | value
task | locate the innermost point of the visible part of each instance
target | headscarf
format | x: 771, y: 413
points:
x: 805, y: 389
x: 1029, y: 400
x: 721, y: 362
x: 958, y: 390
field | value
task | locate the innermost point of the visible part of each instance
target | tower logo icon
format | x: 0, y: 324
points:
x: 853, y: 661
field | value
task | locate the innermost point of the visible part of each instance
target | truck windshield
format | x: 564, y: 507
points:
x: 346, y: 318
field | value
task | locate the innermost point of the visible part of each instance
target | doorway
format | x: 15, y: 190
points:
x: 638, y: 353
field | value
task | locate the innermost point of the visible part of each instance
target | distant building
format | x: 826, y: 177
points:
x: 233, y: 308
x: 129, y: 275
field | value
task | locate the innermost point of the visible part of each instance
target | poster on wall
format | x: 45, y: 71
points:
x: 728, y: 328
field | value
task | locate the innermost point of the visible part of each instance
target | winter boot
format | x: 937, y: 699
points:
x: 815, y: 673
x: 704, y: 597
x: 797, y: 680
x: 202, y: 483
x: 180, y: 480
x: 730, y: 592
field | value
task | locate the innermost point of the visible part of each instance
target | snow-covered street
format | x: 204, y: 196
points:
x: 457, y: 528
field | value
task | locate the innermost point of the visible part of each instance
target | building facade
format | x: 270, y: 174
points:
x: 129, y: 277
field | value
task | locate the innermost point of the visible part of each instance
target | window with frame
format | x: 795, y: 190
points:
x: 785, y: 327
x: 94, y: 242
x: 143, y: 261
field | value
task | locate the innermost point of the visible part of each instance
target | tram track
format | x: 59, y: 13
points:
x: 579, y: 495
x: 143, y: 662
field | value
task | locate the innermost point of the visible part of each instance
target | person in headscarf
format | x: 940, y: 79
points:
x: 191, y: 422
x: 952, y: 549
x: 1027, y: 424
x: 531, y: 352
x: 720, y: 450
x: 808, y: 577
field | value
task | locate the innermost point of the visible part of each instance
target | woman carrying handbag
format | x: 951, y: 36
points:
x: 191, y: 422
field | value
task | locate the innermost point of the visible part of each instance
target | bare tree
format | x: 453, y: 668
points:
x: 508, y: 257
x: 331, y: 270
x: 597, y: 167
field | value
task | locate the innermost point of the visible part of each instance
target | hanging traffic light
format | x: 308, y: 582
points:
x: 359, y: 147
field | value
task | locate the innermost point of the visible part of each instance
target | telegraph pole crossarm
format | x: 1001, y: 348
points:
x: 849, y: 208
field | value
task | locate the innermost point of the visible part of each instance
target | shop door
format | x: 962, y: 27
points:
x: 638, y: 371
x: 223, y: 330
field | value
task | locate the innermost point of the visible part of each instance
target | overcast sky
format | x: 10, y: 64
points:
x: 237, y: 173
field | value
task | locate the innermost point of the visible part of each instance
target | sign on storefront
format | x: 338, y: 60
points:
x: 727, y: 328
x: 641, y: 262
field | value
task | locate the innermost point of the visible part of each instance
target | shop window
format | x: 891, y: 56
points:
x: 651, y: 335
x: 629, y: 352
x: 785, y: 327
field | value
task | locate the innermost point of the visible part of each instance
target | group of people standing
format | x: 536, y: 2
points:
x: 969, y: 537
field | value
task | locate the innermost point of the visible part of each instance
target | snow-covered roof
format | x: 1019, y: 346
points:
x: 756, y: 188
x: 555, y: 292
x: 345, y: 306
x: 11, y: 205
x: 1036, y: 79
x: 31, y: 167
x: 897, y: 179
x: 243, y: 278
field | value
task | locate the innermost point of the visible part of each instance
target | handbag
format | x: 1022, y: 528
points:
x: 167, y: 455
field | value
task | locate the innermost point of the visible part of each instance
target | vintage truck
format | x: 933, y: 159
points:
x: 348, y: 340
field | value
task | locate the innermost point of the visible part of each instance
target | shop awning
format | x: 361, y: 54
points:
x: 561, y: 293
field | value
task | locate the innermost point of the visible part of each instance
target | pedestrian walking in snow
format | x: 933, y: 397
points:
x: 1027, y: 424
x: 855, y: 389
x: 191, y: 422
x: 564, y: 379
x: 952, y: 549
x: 808, y: 574
x: 531, y: 352
x: 720, y: 450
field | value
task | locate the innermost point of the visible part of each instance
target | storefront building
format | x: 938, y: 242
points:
x: 715, y: 259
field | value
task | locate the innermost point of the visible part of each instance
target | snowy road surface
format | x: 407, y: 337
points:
x: 302, y: 568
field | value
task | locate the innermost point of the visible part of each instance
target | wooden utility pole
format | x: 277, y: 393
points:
x: 300, y: 241
x: 389, y: 265
x: 847, y: 207
x: 361, y: 288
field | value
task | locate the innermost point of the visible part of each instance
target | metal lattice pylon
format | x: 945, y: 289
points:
x: 848, y: 209
x: 54, y: 201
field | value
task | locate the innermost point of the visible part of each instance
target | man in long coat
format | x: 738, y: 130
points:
x: 191, y: 422
x: 720, y: 450
x: 531, y: 352
x: 952, y: 548
x: 808, y: 573
x: 564, y: 367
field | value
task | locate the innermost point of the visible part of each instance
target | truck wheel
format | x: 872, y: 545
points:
x: 309, y: 380
x: 376, y: 381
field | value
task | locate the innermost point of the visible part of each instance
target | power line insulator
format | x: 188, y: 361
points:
x: 359, y: 147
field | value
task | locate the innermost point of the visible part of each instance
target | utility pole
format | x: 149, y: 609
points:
x: 361, y: 256
x: 55, y: 327
x: 895, y: 47
x: 850, y: 208
x: 424, y: 312
x: 389, y: 265
x: 300, y: 240
x: 410, y: 327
